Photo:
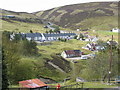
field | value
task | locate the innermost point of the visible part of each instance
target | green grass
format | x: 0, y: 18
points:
x: 22, y: 27
x: 104, y: 35
x: 100, y: 23
x: 97, y: 85
x: 14, y: 86
x: 59, y: 47
x: 94, y: 85
x: 85, y: 85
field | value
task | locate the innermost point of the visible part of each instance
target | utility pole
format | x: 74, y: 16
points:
x: 110, y: 60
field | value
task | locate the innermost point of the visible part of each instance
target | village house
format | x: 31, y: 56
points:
x: 47, y: 36
x: 113, y: 43
x: 32, y: 36
x: 92, y: 39
x: 115, y: 30
x: 71, y: 53
x: 93, y: 47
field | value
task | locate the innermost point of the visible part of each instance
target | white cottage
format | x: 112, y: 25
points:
x: 115, y: 30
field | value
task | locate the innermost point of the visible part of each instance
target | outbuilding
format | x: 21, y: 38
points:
x: 34, y: 84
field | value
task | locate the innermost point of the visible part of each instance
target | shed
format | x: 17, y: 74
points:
x: 33, y: 83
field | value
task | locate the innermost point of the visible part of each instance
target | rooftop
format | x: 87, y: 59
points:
x: 33, y: 83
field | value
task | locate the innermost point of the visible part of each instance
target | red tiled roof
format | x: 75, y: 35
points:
x: 33, y: 83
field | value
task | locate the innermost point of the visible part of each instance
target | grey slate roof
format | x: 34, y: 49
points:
x: 58, y: 34
x: 32, y: 35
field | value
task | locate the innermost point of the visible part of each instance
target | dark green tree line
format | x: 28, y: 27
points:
x: 13, y: 50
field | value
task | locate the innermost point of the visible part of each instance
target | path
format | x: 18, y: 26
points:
x: 55, y: 66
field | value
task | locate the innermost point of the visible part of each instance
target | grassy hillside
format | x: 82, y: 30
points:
x: 17, y: 14
x: 17, y: 26
x: 95, y: 15
x: 99, y: 23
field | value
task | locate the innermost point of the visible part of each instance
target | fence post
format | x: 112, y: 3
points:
x: 82, y: 85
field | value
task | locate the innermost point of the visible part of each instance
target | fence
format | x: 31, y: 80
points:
x: 67, y: 87
x: 77, y: 85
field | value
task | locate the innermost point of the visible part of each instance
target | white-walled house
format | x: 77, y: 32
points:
x: 47, y: 36
x: 93, y: 47
x: 71, y: 53
x: 113, y: 43
x: 115, y: 30
x: 32, y: 36
x: 92, y: 39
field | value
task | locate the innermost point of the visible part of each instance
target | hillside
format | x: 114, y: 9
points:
x: 21, y: 25
x: 83, y: 16
x: 22, y: 22
x: 17, y: 14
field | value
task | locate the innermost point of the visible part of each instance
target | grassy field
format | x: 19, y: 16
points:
x: 58, y: 47
x: 85, y: 85
x: 102, y: 34
x: 100, y: 23
x: 22, y: 26
x: 93, y: 85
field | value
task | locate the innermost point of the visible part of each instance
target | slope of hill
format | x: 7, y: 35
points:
x: 81, y: 15
x: 19, y: 26
x: 22, y: 22
x: 17, y: 14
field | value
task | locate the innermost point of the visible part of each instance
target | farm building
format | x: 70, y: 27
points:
x: 33, y: 83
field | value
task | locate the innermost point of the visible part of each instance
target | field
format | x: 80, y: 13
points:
x: 100, y: 23
x: 17, y: 26
x: 58, y: 47
x: 104, y: 35
x: 85, y: 85
x: 69, y: 84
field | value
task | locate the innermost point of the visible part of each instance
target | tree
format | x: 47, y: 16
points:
x: 81, y: 36
x: 11, y: 55
x: 25, y: 70
x: 29, y: 48
x: 31, y: 31
x: 4, y: 73
x: 17, y: 38
x: 99, y: 66
x: 46, y: 31
x: 50, y: 31
x: 75, y: 37
x: 12, y: 52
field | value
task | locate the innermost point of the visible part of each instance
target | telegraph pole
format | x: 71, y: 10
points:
x: 110, y: 61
